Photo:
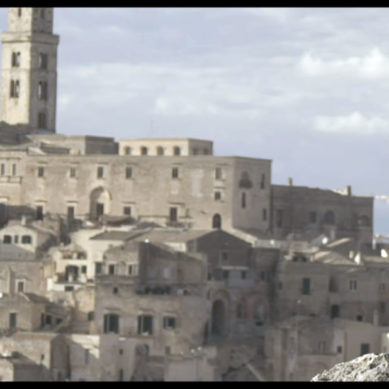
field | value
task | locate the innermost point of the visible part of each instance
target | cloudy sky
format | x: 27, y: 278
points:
x: 305, y: 87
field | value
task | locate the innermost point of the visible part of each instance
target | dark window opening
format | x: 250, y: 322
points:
x: 26, y: 239
x: 160, y: 150
x: 312, y: 217
x: 279, y: 215
x: 7, y: 239
x: 100, y: 172
x: 42, y: 120
x: 144, y: 150
x: 264, y: 214
x: 175, y: 172
x: 177, y: 150
x: 169, y: 322
x: 39, y: 212
x: 335, y: 311
x: 128, y: 172
x: 70, y: 213
x: 145, y: 325
x: 15, y: 60
x: 13, y: 320
x: 218, y: 196
x: 41, y: 171
x: 98, y: 268
x: 42, y: 90
x: 262, y: 183
x: 173, y: 214
x: 111, y: 269
x: 42, y: 61
x: 127, y: 210
x: 216, y: 221
x: 15, y: 88
x: 365, y: 348
x: 243, y: 200
x: 111, y: 323
x: 306, y: 286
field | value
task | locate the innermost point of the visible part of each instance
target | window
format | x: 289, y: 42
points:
x: 132, y: 270
x: 176, y: 150
x: 144, y: 150
x: 15, y: 88
x: 69, y: 288
x: 312, y: 217
x: 39, y: 212
x: 20, y: 286
x: 365, y: 348
x: 111, y: 269
x: 2, y: 169
x: 127, y: 211
x: 195, y: 151
x: 173, y: 214
x: 15, y: 60
x: 243, y: 200
x: 353, y: 284
x: 7, y: 239
x: 216, y: 221
x: 42, y: 90
x: 41, y: 171
x: 262, y: 183
x: 115, y: 290
x: 128, y: 172
x: 91, y: 316
x: 72, y: 172
x: 100, y: 172
x: 169, y: 322
x: 329, y: 217
x: 13, y: 320
x: 264, y: 214
x: 306, y: 286
x: 145, y: 325
x: 218, y: 173
x: 339, y: 349
x: 16, y: 239
x: 14, y: 169
x: 335, y: 311
x: 160, y: 150
x: 70, y: 213
x: 279, y: 215
x: 42, y: 61
x: 218, y: 196
x: 226, y: 274
x: 359, y: 317
x: 83, y: 269
x: 127, y: 150
x: 111, y: 323
x: 98, y: 268
x: 26, y: 239
x: 175, y: 172
x: 19, y: 12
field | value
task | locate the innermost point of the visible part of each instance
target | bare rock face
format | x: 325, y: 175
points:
x: 368, y: 367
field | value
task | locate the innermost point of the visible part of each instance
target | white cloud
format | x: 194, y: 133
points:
x: 373, y: 65
x: 355, y: 123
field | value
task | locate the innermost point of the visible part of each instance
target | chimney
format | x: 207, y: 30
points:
x: 290, y: 181
x: 348, y: 190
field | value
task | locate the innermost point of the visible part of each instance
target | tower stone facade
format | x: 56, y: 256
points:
x: 29, y: 69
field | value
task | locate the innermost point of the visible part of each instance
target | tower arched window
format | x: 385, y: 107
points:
x: 177, y: 150
x: 15, y: 60
x: 127, y: 150
x: 144, y: 150
x: 160, y: 150
x: 42, y: 90
x: 19, y: 12
x: 217, y: 221
x: 42, y: 61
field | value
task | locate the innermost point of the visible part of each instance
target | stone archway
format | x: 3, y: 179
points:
x: 100, y: 203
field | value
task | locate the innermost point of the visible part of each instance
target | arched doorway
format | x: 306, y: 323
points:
x: 100, y: 203
x: 218, y: 318
x: 217, y: 221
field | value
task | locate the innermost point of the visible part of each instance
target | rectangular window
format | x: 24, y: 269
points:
x: 41, y: 171
x: 175, y: 172
x: 218, y: 173
x: 127, y: 211
x: 111, y: 323
x: 83, y: 269
x: 98, y: 268
x: 279, y: 215
x: 111, y: 269
x: 7, y: 239
x: 39, y: 212
x: 128, y: 172
x: 173, y: 214
x: 169, y: 322
x: 70, y: 213
x: 218, y: 196
x: 224, y: 256
x: 14, y: 169
x: 20, y: 286
x: 42, y: 62
x: 13, y: 317
x: 100, y: 172
x: 365, y: 348
x: 132, y: 270
x: 145, y: 325
x: 42, y: 90
x: 72, y: 172
x: 306, y: 286
x: 264, y: 214
x: 2, y: 169
x: 262, y: 183
x: 26, y: 239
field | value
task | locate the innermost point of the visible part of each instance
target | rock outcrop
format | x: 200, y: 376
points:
x: 368, y: 367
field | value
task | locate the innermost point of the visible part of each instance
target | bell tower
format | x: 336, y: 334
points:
x: 29, y: 69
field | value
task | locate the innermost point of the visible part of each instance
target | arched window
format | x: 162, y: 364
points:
x: 144, y: 150
x: 15, y: 60
x: 245, y: 181
x: 176, y: 150
x: 216, y: 221
x: 329, y: 217
x: 14, y: 88
x: 160, y: 150
x: 42, y: 90
x: 19, y: 12
x: 127, y: 150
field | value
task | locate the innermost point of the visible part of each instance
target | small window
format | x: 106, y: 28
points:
x: 195, y: 151
x: 176, y: 150
x: 132, y: 270
x: 339, y: 349
x: 218, y: 196
x: 91, y: 316
x: 70, y: 213
x: 279, y: 218
x: 13, y: 320
x: 243, y: 200
x: 72, y: 172
x: 144, y: 150
x: 306, y: 286
x: 127, y: 211
x: 173, y: 214
x: 353, y: 284
x: 20, y: 286
x: 169, y: 322
x: 42, y: 61
x: 15, y: 88
x: 2, y: 169
x: 19, y: 12
x: 218, y: 173
x: 7, y: 239
x: 226, y: 274
x: 262, y: 183
x: 98, y: 268
x: 83, y: 269
x: 42, y: 90
x: 111, y: 323
x: 128, y: 172
x: 224, y: 257
x: 175, y: 172
x: 145, y: 325
x: 39, y: 212
x: 111, y: 269
x: 15, y: 60
x: 365, y: 348
x: 160, y: 150
x: 69, y: 288
x: 115, y: 290
x: 127, y: 150
x: 14, y: 171
x: 312, y: 217
x: 41, y: 171
x: 264, y: 214
x: 26, y: 239
x: 100, y: 172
